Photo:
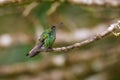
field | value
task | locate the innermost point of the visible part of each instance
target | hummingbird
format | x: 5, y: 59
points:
x: 46, y: 40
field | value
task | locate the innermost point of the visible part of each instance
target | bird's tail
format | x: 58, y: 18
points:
x: 34, y: 51
x: 32, y: 54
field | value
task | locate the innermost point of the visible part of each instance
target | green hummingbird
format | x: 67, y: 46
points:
x: 46, y: 40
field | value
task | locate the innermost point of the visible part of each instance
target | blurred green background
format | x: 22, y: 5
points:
x: 21, y: 25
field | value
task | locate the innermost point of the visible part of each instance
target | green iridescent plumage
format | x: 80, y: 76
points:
x: 49, y: 37
x: 46, y: 41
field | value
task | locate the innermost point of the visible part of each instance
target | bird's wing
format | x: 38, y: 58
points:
x: 39, y: 44
x: 43, y: 36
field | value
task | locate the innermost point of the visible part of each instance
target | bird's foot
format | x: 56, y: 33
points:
x: 49, y: 49
x: 46, y: 49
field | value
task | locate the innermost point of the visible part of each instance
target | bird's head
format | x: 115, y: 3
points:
x: 53, y: 27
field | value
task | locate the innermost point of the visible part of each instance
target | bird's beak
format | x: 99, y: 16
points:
x: 58, y: 24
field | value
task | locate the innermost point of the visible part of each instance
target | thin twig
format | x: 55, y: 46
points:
x: 110, y: 3
x: 110, y: 29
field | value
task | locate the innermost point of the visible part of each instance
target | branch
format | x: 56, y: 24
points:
x: 9, y: 2
x: 111, y: 3
x: 110, y: 29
